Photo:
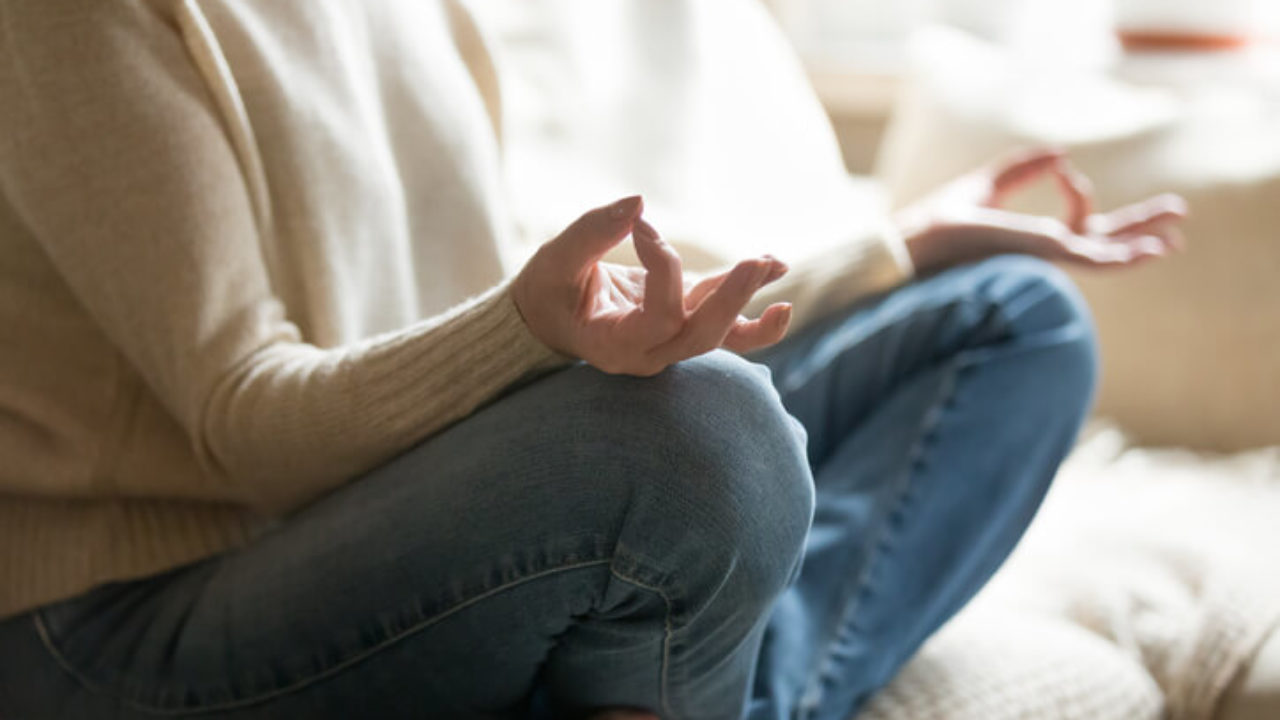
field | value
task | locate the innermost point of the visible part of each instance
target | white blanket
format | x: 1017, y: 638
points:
x: 1143, y: 587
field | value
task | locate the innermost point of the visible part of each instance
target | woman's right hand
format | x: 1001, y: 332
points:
x: 637, y: 321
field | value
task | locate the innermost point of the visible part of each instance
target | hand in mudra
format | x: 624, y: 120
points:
x: 639, y: 320
x: 964, y: 221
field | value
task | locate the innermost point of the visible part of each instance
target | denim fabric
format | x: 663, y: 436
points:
x: 937, y: 419
x: 591, y: 540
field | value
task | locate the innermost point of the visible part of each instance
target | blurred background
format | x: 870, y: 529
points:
x: 1148, y: 96
x: 859, y: 52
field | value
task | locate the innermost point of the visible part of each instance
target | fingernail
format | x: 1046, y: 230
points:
x: 625, y: 208
x: 777, y: 269
x: 784, y: 315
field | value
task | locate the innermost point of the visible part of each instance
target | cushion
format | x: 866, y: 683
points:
x: 1144, y: 588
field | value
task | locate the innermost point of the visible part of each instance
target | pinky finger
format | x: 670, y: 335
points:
x: 769, y: 328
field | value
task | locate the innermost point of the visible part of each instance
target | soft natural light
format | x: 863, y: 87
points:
x: 872, y: 35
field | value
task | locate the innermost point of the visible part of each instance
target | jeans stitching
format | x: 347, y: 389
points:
x: 663, y: 695
x: 811, y: 699
x: 47, y: 640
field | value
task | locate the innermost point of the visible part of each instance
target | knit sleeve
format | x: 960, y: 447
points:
x: 113, y: 156
x: 828, y: 281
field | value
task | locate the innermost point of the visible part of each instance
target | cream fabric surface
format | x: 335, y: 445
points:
x: 1144, y: 586
x: 703, y: 107
x: 1191, y: 344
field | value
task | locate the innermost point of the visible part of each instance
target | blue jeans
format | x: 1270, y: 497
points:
x: 590, y: 540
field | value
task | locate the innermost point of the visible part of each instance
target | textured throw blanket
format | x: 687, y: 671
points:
x: 1144, y: 586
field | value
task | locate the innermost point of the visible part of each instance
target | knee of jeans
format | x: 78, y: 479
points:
x: 1041, y: 305
x: 726, y: 496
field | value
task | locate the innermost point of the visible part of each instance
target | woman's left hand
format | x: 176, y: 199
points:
x: 963, y: 222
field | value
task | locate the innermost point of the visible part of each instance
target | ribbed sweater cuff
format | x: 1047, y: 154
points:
x: 337, y: 418
x: 896, y: 246
x: 445, y: 370
x: 481, y: 347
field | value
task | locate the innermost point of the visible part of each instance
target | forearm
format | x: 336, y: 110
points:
x: 292, y: 421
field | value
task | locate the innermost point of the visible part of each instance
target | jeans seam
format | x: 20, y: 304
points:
x: 66, y: 665
x: 664, y: 698
x: 811, y: 698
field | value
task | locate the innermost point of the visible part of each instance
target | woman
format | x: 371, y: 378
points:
x: 281, y: 441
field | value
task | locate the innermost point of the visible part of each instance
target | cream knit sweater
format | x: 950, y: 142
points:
x: 248, y: 251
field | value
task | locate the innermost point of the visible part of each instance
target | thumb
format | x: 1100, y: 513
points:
x: 591, y: 236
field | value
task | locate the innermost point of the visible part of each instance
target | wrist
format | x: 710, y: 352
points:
x: 516, y: 291
x: 539, y: 320
x: 918, y: 237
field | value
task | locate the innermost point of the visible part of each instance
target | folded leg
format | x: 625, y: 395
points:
x: 937, y: 416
